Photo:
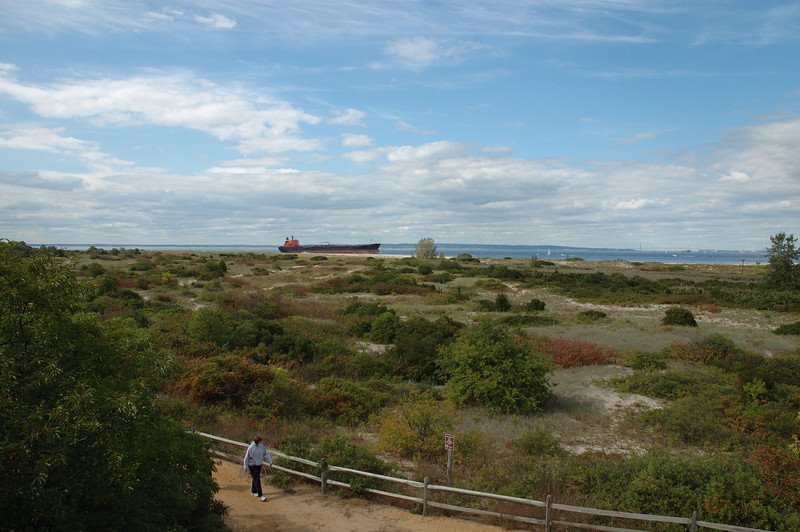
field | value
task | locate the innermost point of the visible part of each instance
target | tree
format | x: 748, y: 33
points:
x: 782, y: 254
x: 491, y: 366
x: 426, y: 249
x: 81, y: 445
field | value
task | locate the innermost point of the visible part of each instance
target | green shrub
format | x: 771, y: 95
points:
x: 348, y: 401
x: 440, y: 277
x: 416, y: 426
x: 538, y: 442
x: 225, y: 379
x: 501, y: 303
x: 711, y: 349
x: 721, y: 489
x: 488, y: 365
x: 384, y: 327
x: 789, y: 328
x: 338, y: 451
x: 679, y: 316
x: 674, y: 383
x: 695, y: 419
x: 591, y: 315
x: 282, y: 397
x: 360, y: 308
x: 648, y: 361
x: 534, y: 305
x: 417, y: 341
x: 529, y: 320
x: 213, y: 269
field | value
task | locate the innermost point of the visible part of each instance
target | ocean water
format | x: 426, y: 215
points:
x: 498, y: 251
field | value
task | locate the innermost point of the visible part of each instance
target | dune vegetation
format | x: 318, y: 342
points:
x: 647, y: 388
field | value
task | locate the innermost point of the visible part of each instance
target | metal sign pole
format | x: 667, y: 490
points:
x: 449, y: 465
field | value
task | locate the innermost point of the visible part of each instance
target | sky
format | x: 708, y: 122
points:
x: 599, y: 123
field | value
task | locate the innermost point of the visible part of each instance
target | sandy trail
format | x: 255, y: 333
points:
x: 308, y: 509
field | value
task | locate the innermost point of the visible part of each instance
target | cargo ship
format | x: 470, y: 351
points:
x: 292, y: 245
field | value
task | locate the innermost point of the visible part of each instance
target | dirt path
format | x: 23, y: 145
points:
x: 308, y: 509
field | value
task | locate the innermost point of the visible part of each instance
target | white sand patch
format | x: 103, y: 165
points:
x: 372, y: 348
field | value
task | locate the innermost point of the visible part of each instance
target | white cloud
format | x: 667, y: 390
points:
x: 644, y: 135
x: 348, y: 117
x: 217, y: 21
x: 351, y: 140
x: 362, y: 156
x: 633, y: 204
x: 402, y: 125
x: 735, y: 177
x: 420, y: 52
x: 52, y: 140
x: 761, y: 153
x: 175, y: 100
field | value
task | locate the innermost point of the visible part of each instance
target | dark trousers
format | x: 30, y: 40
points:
x: 255, y: 472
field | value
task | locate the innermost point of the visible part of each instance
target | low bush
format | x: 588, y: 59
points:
x: 721, y: 489
x: 789, y: 328
x: 528, y: 320
x: 227, y: 379
x: 568, y: 353
x: 710, y: 349
x: 424, y: 269
x: 415, y: 427
x: 591, y: 315
x: 501, y: 303
x: 534, y: 305
x: 384, y: 327
x: 417, y: 342
x: 679, y: 316
x: 674, y: 383
x: 488, y: 365
x: 338, y: 451
x: 648, y: 361
x: 282, y: 397
x: 538, y: 442
x: 348, y: 401
x: 695, y: 420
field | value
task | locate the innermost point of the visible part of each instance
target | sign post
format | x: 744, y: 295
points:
x: 449, y: 445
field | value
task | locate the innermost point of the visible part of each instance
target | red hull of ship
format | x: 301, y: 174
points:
x: 330, y: 248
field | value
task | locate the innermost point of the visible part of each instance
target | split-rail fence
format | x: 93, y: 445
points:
x: 547, y: 507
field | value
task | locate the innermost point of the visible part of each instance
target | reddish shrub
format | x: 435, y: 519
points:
x: 780, y: 470
x: 710, y: 307
x: 568, y: 353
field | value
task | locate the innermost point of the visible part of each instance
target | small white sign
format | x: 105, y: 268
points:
x: 449, y: 442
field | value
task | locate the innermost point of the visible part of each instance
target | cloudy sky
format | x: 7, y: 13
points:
x: 603, y: 123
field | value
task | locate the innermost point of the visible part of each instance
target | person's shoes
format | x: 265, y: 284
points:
x: 262, y: 499
x: 254, y: 494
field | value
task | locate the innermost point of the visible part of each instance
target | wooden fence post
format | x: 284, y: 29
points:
x: 547, y: 513
x: 324, y: 482
x: 693, y: 524
x: 425, y: 496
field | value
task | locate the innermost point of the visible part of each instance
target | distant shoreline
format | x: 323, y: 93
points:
x: 489, y: 251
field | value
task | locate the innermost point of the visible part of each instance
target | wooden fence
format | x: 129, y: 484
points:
x: 548, y: 506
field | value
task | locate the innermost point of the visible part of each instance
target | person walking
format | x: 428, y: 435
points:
x: 256, y: 455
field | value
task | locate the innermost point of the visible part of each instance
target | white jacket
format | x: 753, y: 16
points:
x: 256, y: 455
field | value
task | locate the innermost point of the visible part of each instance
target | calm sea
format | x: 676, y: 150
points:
x: 703, y: 256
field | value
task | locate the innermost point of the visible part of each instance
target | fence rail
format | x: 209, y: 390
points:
x: 549, y: 506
